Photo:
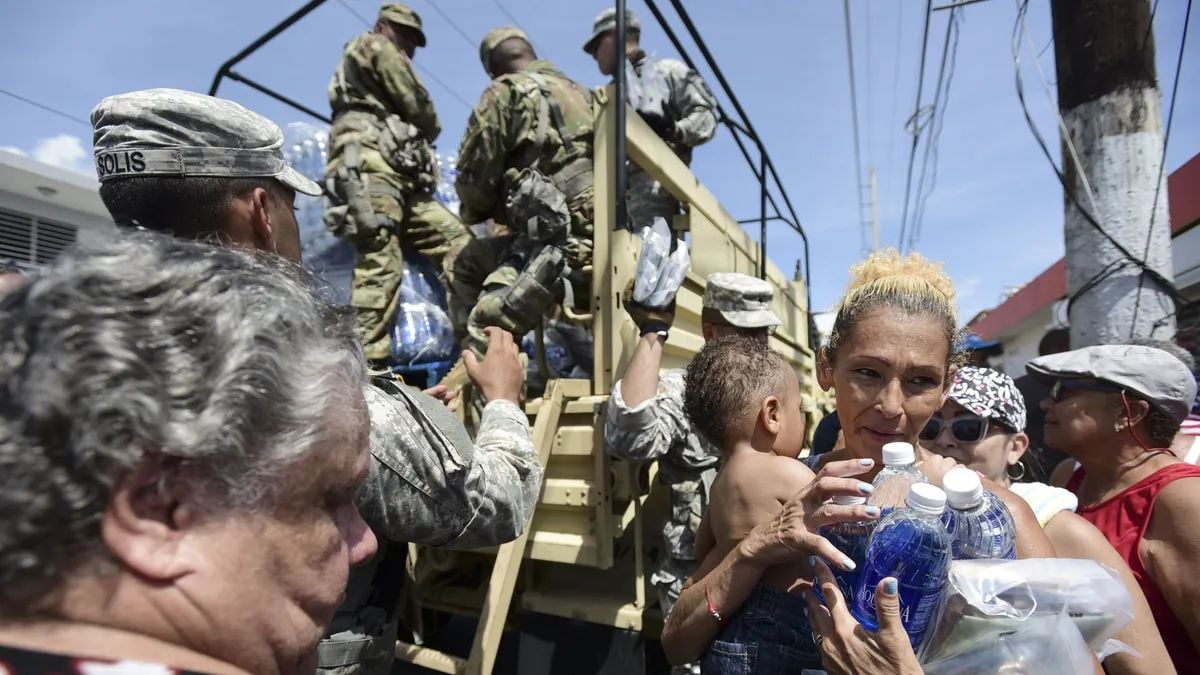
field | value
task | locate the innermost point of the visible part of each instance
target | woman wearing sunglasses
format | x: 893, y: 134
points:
x: 982, y: 426
x: 1116, y: 409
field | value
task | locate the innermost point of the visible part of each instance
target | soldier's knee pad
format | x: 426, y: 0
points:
x: 520, y: 305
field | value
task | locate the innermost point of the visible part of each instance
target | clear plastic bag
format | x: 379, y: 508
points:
x: 985, y: 599
x: 1043, y: 645
x: 660, y: 271
x: 421, y: 332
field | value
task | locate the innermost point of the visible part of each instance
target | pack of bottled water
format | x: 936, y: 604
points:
x: 331, y: 260
x: 445, y: 192
x: 421, y: 332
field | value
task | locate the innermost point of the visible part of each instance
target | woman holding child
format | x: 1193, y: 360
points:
x: 890, y: 357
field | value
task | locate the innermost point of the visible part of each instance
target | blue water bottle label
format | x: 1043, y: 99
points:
x: 917, y: 605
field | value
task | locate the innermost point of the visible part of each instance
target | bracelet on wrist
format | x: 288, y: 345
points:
x: 712, y: 609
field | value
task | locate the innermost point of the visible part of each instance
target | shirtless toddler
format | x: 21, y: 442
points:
x: 746, y: 399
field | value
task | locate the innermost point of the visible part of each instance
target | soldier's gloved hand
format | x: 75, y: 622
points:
x: 649, y: 319
x: 663, y: 126
x: 499, y: 376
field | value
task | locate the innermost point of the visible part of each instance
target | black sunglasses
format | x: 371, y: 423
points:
x: 963, y: 429
x: 1060, y: 387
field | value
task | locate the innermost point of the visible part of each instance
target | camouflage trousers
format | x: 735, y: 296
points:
x: 419, y: 222
x: 646, y: 199
x: 668, y: 583
x: 481, y: 283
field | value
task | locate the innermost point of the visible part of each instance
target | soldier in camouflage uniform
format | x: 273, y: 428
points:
x: 671, y: 97
x: 644, y: 419
x: 525, y: 160
x: 428, y: 482
x: 382, y: 170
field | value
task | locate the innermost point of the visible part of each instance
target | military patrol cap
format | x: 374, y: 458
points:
x: 742, y: 300
x: 608, y: 21
x: 394, y: 12
x: 170, y: 132
x: 493, y: 39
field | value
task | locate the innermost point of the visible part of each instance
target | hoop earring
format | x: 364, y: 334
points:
x: 1020, y: 473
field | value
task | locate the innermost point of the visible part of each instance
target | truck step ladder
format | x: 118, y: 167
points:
x: 504, y: 572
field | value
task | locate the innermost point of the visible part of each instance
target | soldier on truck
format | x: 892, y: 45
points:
x: 525, y: 160
x: 382, y: 170
x: 671, y: 97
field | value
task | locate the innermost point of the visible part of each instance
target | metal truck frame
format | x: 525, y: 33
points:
x: 583, y: 554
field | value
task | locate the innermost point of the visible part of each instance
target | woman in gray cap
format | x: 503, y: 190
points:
x: 982, y: 426
x: 1116, y: 409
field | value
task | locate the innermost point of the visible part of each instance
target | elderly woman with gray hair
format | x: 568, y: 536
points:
x: 182, y: 433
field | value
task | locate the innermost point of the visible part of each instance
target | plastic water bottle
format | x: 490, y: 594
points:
x: 898, y: 475
x: 851, y: 539
x: 979, y: 524
x: 912, y: 546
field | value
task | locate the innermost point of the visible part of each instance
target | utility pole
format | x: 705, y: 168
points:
x: 1112, y: 109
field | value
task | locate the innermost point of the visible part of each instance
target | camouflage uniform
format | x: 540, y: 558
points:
x: 525, y: 160
x: 430, y: 485
x: 659, y: 429
x: 381, y: 175
x: 428, y: 482
x: 690, y: 117
x: 677, y: 104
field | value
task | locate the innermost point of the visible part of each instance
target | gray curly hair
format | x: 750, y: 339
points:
x: 148, y: 348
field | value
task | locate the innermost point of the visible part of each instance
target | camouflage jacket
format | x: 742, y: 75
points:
x: 501, y: 140
x: 659, y: 429
x: 380, y: 106
x: 688, y: 103
x: 375, y: 76
x: 428, y: 484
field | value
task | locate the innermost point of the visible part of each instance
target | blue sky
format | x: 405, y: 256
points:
x: 994, y: 218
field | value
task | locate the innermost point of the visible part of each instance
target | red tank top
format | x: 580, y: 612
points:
x: 1123, y: 519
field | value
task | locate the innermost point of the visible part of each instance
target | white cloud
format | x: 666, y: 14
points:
x: 13, y: 149
x: 66, y: 152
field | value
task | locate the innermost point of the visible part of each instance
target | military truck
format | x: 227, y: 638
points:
x: 583, y: 556
x: 573, y: 589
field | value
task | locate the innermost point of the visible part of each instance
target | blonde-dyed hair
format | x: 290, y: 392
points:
x: 910, y: 284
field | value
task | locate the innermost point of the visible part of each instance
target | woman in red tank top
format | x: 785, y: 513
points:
x: 1116, y: 409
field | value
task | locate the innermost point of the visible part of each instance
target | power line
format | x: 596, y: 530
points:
x: 462, y: 33
x: 891, y: 146
x: 424, y: 71
x: 870, y: 117
x: 353, y: 11
x: 854, y: 123
x: 507, y: 13
x: 937, y: 122
x: 912, y: 155
x: 45, y: 107
x: 1162, y: 161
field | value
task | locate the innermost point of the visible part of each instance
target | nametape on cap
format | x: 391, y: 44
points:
x: 188, y: 161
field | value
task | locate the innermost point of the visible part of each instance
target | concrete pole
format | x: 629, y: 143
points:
x: 1109, y: 99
